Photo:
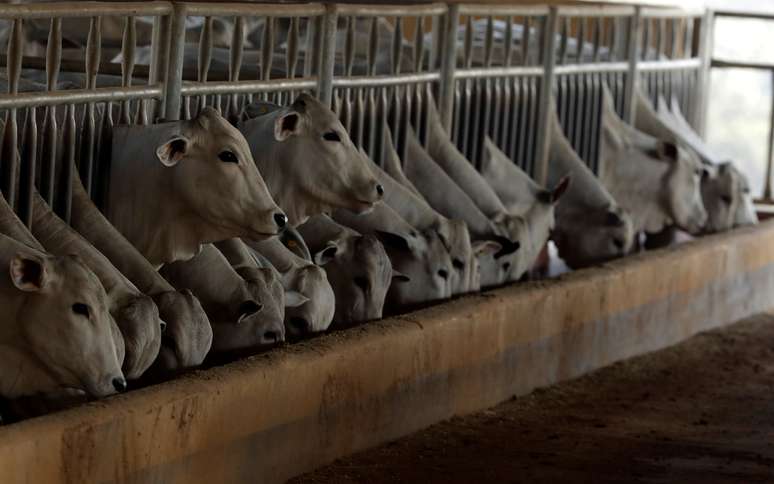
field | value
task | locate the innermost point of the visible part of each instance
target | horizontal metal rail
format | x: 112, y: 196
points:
x: 247, y: 87
x: 100, y: 94
x: 386, y: 80
x: 83, y: 9
x: 386, y: 10
x: 252, y: 9
x: 501, y: 10
x: 729, y: 64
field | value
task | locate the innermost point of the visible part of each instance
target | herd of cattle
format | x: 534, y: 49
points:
x: 219, y: 239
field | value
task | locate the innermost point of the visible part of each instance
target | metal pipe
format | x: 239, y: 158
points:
x: 448, y: 67
x: 327, y: 56
x: 543, y: 129
x: 174, y: 78
x: 632, y: 57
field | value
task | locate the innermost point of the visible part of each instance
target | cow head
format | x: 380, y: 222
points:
x: 309, y: 301
x: 66, y: 323
x: 726, y: 196
x: 308, y: 159
x: 360, y: 273
x: 585, y: 236
x: 216, y: 180
x: 423, y: 259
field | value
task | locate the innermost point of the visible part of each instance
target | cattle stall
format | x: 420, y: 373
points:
x: 74, y: 70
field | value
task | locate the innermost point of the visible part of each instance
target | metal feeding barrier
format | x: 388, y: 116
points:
x: 490, y: 69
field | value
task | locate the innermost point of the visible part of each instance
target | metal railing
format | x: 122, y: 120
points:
x: 489, y: 68
x: 715, y: 63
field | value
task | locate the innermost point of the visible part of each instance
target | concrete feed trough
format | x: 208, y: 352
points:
x: 271, y: 417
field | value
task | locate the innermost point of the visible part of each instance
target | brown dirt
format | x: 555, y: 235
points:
x: 699, y: 412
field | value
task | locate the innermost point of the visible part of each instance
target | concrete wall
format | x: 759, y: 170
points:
x: 274, y: 416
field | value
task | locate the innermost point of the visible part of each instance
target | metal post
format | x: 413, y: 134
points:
x: 767, y: 195
x: 543, y: 132
x: 633, y: 58
x: 174, y: 78
x: 448, y: 67
x: 706, y: 38
x: 327, y: 56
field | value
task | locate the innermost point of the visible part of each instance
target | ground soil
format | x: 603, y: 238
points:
x: 699, y: 412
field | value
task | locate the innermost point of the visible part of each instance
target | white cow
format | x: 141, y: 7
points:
x: 656, y: 181
x: 56, y: 328
x: 175, y: 186
x: 590, y: 225
x: 357, y: 266
x: 308, y: 160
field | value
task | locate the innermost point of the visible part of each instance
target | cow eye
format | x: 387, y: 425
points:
x: 81, y: 309
x: 331, y: 136
x: 458, y: 264
x: 618, y: 243
x: 726, y: 199
x: 228, y: 157
x: 362, y: 283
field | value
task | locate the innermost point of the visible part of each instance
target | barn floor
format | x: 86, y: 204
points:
x: 699, y: 412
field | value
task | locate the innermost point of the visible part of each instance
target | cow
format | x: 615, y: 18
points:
x: 420, y: 255
x: 405, y: 199
x: 57, y: 331
x: 192, y: 182
x: 234, y: 307
x: 188, y: 335
x: 591, y: 227
x: 308, y: 160
x: 357, y: 266
x: 656, y: 181
x: 445, y: 196
x: 524, y: 197
x: 135, y: 313
x: 724, y: 190
x: 315, y: 314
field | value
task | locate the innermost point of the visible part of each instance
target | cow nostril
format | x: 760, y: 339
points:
x: 272, y: 336
x: 300, y: 325
x: 163, y: 326
x: 119, y: 384
x: 281, y: 219
x: 443, y: 273
x: 379, y: 190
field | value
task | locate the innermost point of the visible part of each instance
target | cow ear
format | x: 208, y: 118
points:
x: 28, y: 272
x: 171, y: 152
x: 560, y: 189
x: 486, y: 247
x: 294, y: 299
x: 326, y: 255
x: 398, y: 276
x: 666, y: 151
x: 286, y: 126
x: 393, y: 241
x: 248, y: 308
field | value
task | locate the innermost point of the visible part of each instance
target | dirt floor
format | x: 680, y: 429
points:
x: 699, y: 412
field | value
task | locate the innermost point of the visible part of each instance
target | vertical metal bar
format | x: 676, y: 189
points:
x: 205, y: 56
x: 236, y: 52
x: 27, y: 168
x: 448, y: 67
x: 543, y: 129
x: 63, y: 206
x: 10, y: 159
x: 127, y: 65
x: 632, y: 57
x: 174, y: 78
x: 704, y: 52
x: 767, y: 195
x: 327, y: 55
x: 89, y: 126
x: 50, y: 129
x: 159, y: 57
